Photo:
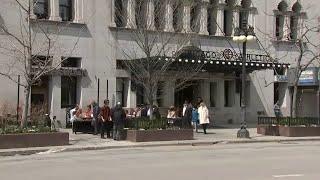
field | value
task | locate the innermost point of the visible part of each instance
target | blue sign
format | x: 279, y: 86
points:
x: 309, y: 77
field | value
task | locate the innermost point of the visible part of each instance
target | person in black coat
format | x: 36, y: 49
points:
x: 118, y: 116
x: 187, y: 115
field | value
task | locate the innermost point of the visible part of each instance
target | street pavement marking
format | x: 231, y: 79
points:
x: 287, y: 175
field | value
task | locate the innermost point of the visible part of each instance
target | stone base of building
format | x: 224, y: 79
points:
x: 9, y: 141
x: 159, y: 135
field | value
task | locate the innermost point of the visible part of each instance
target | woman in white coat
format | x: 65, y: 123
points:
x: 203, y: 116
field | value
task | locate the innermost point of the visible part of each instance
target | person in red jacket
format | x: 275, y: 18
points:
x: 105, y: 119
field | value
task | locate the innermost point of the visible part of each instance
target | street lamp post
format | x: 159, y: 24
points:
x: 243, y: 35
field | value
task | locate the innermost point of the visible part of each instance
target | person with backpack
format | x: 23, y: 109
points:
x: 118, y: 117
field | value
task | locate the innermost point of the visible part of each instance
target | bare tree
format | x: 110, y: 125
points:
x: 30, y: 48
x: 154, y: 56
x: 309, y: 54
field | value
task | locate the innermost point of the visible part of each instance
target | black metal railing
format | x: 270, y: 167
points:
x: 289, y: 121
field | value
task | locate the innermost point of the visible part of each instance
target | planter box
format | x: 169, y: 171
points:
x: 299, y: 131
x: 268, y: 130
x: 8, y: 141
x: 159, y: 135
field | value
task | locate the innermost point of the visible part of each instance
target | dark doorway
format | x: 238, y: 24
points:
x: 185, y: 94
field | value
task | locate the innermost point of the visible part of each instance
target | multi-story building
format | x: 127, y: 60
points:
x: 95, y: 36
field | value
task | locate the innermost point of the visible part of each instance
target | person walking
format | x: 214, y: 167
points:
x: 195, y: 118
x: 203, y: 116
x: 118, y: 118
x: 95, y: 119
x: 105, y: 120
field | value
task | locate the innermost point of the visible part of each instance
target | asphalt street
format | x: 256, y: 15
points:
x: 292, y: 161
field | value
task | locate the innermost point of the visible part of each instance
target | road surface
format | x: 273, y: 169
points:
x: 267, y: 161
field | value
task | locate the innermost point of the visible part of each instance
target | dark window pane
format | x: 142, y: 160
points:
x: 68, y: 91
x: 41, y: 9
x: 71, y: 62
x: 65, y: 10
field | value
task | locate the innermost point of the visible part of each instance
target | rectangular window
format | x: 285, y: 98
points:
x: 228, y: 94
x: 71, y: 62
x: 121, y: 95
x: 213, y: 94
x: 65, y: 8
x: 68, y: 91
x: 41, y: 9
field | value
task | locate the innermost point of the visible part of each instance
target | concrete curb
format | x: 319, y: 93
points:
x: 92, y: 148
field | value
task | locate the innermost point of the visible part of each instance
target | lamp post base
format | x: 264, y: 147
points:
x: 243, y: 133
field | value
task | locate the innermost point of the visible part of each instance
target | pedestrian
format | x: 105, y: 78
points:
x: 95, y: 119
x: 187, y: 114
x: 203, y: 116
x: 195, y: 118
x: 118, y: 117
x: 144, y: 111
x: 105, y: 120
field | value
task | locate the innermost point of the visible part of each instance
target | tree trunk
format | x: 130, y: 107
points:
x: 26, y: 106
x: 294, y: 101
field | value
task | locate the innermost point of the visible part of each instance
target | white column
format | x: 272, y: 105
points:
x: 286, y: 27
x: 130, y: 6
x: 54, y: 10
x: 150, y: 15
x: 113, y: 14
x: 251, y: 20
x: 186, y: 18
x: 204, y: 18
x: 78, y: 11
x: 32, y: 15
x: 301, y: 28
x: 220, y: 21
x: 168, y: 20
x: 235, y: 20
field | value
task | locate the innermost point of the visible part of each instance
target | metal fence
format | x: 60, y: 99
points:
x: 288, y: 121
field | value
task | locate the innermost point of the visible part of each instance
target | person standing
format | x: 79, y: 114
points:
x: 95, y: 119
x: 203, y: 116
x: 187, y: 114
x: 105, y: 120
x: 118, y: 118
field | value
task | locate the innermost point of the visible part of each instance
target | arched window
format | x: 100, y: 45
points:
x: 66, y: 10
x: 294, y: 20
x: 212, y: 17
x: 177, y: 16
x: 228, y: 17
x: 119, y: 13
x: 159, y: 14
x: 244, y: 13
x: 282, y: 8
x: 140, y: 13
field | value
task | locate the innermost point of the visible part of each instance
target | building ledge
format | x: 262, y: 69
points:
x: 192, y: 34
x: 62, y: 23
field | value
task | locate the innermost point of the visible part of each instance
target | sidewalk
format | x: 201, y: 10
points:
x: 81, y: 142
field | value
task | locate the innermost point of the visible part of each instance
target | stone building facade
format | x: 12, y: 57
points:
x: 102, y: 29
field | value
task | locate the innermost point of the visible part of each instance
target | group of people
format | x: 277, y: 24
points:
x: 103, y: 118
x: 192, y: 115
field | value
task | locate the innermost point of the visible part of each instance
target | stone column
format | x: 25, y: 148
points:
x: 78, y: 11
x: 168, y: 95
x: 204, y: 17
x: 150, y: 15
x: 286, y: 27
x: 235, y: 20
x: 113, y: 14
x: 130, y: 20
x: 251, y: 20
x: 168, y: 19
x: 220, y: 21
x: 54, y: 10
x: 300, y: 27
x: 186, y: 18
x: 32, y: 15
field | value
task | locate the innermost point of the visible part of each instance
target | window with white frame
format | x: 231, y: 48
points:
x: 228, y: 17
x: 294, y: 20
x: 212, y: 17
x: 280, y: 19
x: 244, y: 13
